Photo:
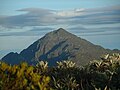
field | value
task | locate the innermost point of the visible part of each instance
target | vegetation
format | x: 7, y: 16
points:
x: 23, y: 76
x: 101, y: 74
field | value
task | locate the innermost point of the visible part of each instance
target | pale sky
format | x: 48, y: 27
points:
x: 24, y: 21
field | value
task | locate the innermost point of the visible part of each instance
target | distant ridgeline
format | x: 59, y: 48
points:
x: 56, y: 46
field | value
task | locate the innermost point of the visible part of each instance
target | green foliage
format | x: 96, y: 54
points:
x: 65, y: 64
x: 101, y: 74
x: 42, y: 67
x: 105, y: 72
x: 23, y: 76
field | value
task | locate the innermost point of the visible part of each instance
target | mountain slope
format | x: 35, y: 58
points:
x: 56, y: 46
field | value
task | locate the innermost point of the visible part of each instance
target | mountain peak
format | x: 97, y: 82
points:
x: 61, y: 30
x: 59, y: 34
x: 56, y: 46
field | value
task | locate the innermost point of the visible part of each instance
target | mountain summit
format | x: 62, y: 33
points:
x: 58, y: 45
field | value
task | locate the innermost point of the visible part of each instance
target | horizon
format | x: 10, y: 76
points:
x: 23, y: 22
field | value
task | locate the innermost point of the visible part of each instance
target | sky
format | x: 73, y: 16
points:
x: 24, y: 21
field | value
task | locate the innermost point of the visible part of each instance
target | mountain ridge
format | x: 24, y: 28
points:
x: 58, y: 45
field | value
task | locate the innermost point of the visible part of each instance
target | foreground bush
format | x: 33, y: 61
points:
x: 101, y: 74
x: 23, y: 76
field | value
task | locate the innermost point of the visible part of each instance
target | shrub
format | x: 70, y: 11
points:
x: 101, y: 74
x: 22, y: 77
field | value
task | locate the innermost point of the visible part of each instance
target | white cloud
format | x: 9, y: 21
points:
x: 70, y: 13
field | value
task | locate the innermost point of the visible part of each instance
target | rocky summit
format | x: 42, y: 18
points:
x: 56, y: 46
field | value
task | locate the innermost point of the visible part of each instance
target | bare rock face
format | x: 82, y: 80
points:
x: 57, y: 46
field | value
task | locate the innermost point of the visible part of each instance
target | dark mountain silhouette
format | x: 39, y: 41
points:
x: 57, y: 46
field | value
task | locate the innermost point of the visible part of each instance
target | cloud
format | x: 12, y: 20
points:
x: 70, y: 13
x: 35, y: 31
x: 106, y: 15
x: 72, y: 19
x: 32, y: 17
x: 38, y: 17
x: 95, y: 31
x: 44, y: 17
x: 99, y: 34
